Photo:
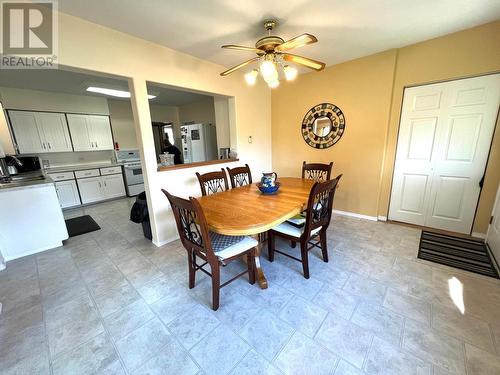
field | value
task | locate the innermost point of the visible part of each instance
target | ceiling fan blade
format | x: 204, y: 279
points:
x: 296, y: 42
x: 229, y: 71
x: 242, y: 48
x: 310, y: 63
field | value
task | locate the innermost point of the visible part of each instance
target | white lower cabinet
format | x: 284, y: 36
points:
x: 90, y: 189
x: 94, y: 189
x: 67, y: 193
x: 113, y: 186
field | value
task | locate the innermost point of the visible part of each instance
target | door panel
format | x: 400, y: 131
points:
x: 449, y: 197
x: 67, y: 193
x: 27, y: 134
x: 79, y: 128
x: 421, y: 140
x: 445, y: 133
x: 55, y: 131
x: 462, y: 137
x: 101, y: 132
x: 413, y: 193
x: 90, y: 189
x: 427, y: 100
x: 113, y: 186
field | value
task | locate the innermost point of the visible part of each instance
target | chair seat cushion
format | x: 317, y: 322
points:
x: 293, y: 231
x: 228, y: 246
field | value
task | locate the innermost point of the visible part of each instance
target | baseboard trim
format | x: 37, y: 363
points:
x: 353, y: 214
x: 31, y: 252
x: 382, y: 218
x: 479, y: 235
x: 164, y: 242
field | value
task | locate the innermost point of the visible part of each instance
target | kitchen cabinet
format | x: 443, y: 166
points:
x: 90, y: 189
x: 112, y: 186
x: 40, y: 132
x: 90, y: 132
x: 94, y: 189
x: 67, y: 193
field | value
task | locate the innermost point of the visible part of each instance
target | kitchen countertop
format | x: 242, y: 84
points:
x: 80, y: 167
x: 26, y: 184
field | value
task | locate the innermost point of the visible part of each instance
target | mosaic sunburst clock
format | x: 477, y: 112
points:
x: 323, y: 125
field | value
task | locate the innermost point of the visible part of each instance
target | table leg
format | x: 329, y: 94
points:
x: 259, y: 273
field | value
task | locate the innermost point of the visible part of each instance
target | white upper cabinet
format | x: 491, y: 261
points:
x: 37, y: 132
x: 90, y: 132
x: 26, y: 132
x: 79, y: 128
x: 101, y: 132
x: 55, y: 131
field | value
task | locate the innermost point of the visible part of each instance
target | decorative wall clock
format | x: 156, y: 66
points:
x: 323, y: 125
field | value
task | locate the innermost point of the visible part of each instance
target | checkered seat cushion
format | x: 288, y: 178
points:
x: 228, y: 246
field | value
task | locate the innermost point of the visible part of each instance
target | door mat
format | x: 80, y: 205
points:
x: 466, y: 254
x: 81, y: 225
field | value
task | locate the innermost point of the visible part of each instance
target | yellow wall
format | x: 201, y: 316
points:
x: 362, y: 89
x: 369, y: 91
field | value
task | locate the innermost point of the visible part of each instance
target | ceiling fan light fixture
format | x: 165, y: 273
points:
x: 274, y: 84
x: 251, y: 77
x: 268, y: 70
x: 290, y: 72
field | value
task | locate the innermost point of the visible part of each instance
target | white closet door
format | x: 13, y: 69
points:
x: 443, y: 146
x: 493, y: 237
x: 28, y: 137
x: 79, y: 128
x: 101, y: 132
x: 55, y: 131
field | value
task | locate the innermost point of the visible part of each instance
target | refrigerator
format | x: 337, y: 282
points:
x: 199, y: 142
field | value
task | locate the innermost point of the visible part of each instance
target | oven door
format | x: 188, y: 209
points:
x: 133, y: 175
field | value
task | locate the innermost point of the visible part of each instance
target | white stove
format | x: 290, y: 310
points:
x: 132, y: 171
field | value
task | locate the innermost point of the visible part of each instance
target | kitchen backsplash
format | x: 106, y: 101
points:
x: 61, y: 159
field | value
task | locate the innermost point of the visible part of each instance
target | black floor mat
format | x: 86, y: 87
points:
x: 81, y: 225
x: 466, y: 254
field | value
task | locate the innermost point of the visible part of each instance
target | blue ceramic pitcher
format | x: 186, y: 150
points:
x: 269, y: 179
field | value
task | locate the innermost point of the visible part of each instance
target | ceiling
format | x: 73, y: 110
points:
x: 345, y: 29
x: 69, y: 82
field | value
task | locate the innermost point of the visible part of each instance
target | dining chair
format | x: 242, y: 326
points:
x: 214, y: 249
x: 317, y: 219
x: 239, y: 176
x: 212, y: 182
x: 317, y: 171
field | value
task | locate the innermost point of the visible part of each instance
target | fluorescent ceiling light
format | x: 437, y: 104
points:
x: 113, y: 92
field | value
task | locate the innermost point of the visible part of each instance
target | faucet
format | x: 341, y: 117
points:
x: 16, y: 161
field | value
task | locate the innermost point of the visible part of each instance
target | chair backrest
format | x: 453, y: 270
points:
x: 320, y: 204
x: 191, y: 225
x: 317, y: 171
x: 240, y: 176
x: 212, y: 182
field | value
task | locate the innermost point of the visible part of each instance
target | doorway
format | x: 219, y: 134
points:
x: 443, y: 145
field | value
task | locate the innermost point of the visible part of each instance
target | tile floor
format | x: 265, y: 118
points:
x: 110, y: 302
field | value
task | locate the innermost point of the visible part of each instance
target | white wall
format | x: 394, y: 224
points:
x: 52, y: 101
x: 199, y: 112
x: 183, y: 183
x: 221, y: 106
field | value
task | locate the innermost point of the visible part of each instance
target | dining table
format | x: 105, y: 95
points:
x: 246, y: 211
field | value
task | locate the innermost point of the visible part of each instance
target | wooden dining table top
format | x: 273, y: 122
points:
x: 246, y: 211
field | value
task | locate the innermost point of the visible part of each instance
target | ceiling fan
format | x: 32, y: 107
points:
x: 272, y: 52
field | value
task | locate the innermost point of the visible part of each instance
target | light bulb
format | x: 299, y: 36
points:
x: 290, y: 72
x: 268, y: 70
x: 274, y: 84
x: 251, y: 77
